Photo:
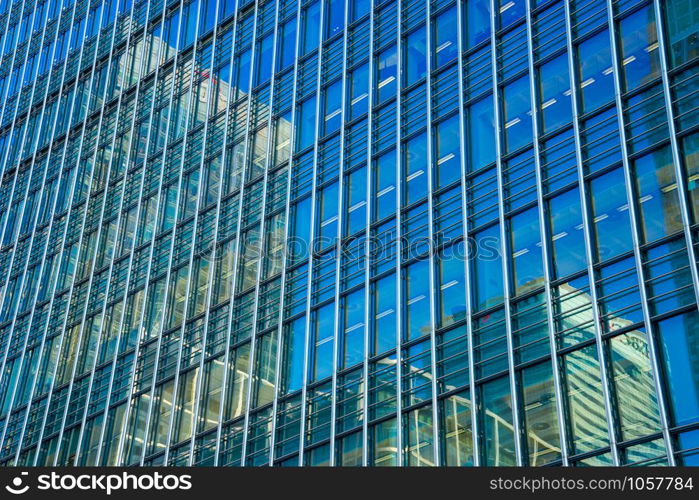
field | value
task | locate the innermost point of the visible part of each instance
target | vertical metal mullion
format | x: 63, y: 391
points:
x: 3, y: 167
x: 25, y: 266
x: 121, y: 206
x: 84, y: 336
x: 431, y: 164
x: 167, y: 285
x: 200, y: 380
x: 309, y: 289
x: 43, y: 260
x: 545, y: 239
x: 146, y: 288
x: 503, y: 237
x: 130, y: 258
x: 339, y: 322
x: 69, y: 197
x: 467, y: 237
x: 234, y: 274
x: 680, y: 174
x: 87, y: 198
x: 399, y: 232
x: 253, y: 340
x: 633, y: 217
x: 588, y: 238
x: 282, y: 300
x: 190, y: 260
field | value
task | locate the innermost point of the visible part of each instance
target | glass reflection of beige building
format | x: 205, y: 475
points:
x: 633, y: 396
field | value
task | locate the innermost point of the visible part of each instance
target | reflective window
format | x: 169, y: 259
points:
x: 639, y: 48
x: 517, y: 120
x: 447, y: 154
x: 681, y: 21
x: 487, y: 268
x: 656, y: 189
x: 385, y: 185
x: 415, y: 164
x: 417, y: 300
x: 444, y: 31
x: 457, y: 430
x: 567, y: 233
x: 610, y: 221
x: 528, y: 271
x: 311, y: 33
x: 323, y: 334
x: 634, y: 389
x: 292, y: 349
x: 540, y: 420
x: 334, y: 18
x: 386, y: 74
x: 554, y: 94
x: 415, y: 56
x: 385, y: 314
x: 586, y: 411
x: 287, y: 44
x: 476, y: 22
x: 358, y: 91
x: 307, y: 117
x: 497, y: 439
x: 679, y: 348
x: 481, y: 134
x: 595, y: 72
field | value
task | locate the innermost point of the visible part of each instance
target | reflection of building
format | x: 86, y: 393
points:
x: 152, y: 178
x: 634, y: 400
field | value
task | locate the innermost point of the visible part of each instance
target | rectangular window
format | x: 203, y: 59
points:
x: 386, y: 74
x: 540, y: 420
x: 497, y: 437
x: 417, y: 300
x: 587, y: 420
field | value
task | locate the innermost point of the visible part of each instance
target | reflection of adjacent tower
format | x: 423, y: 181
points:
x: 665, y: 179
x: 683, y: 21
x: 635, y: 397
x: 629, y: 357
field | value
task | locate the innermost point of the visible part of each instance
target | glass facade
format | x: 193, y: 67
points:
x: 349, y: 232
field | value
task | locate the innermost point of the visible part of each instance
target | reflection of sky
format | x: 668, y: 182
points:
x: 682, y: 380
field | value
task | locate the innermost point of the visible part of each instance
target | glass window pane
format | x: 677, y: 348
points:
x: 595, y: 72
x: 417, y: 300
x: 447, y: 154
x: 527, y: 265
x: 567, y: 234
x: 517, y: 121
x: 639, y: 48
x: 540, y: 416
x: 456, y: 430
x: 634, y: 389
x: 610, y: 222
x: 587, y: 421
x: 657, y: 195
x: 481, y: 134
x: 445, y: 31
x: 497, y: 439
x: 487, y: 268
x: 554, y: 84
x: 679, y: 346
x: 415, y: 56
